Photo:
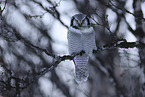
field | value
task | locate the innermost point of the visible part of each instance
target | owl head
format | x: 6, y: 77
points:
x: 80, y: 20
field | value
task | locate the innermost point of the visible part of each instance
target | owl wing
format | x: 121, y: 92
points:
x: 89, y: 40
x: 74, y: 40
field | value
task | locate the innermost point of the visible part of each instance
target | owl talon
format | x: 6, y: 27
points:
x: 82, y: 52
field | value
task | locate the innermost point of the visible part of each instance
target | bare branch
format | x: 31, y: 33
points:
x: 1, y: 11
x: 123, y: 9
x: 53, y: 11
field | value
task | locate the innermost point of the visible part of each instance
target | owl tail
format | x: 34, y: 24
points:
x: 81, y: 68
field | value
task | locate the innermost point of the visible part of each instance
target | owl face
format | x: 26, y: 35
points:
x: 80, y: 20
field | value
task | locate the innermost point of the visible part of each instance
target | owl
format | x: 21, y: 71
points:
x: 81, y: 37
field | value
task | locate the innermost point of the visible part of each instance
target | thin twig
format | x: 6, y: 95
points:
x: 1, y: 11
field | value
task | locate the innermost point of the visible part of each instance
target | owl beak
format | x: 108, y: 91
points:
x: 80, y: 23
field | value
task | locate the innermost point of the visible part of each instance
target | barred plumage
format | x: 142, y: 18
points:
x: 81, y: 68
x: 81, y: 36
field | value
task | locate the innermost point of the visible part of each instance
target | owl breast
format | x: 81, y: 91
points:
x: 81, y: 39
x: 74, y: 41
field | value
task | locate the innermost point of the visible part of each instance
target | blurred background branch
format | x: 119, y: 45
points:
x: 34, y: 59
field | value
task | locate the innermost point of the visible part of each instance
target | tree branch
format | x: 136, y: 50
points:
x: 123, y: 9
x: 1, y: 11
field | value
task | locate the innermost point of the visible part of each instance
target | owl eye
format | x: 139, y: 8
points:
x: 85, y: 21
x: 76, y: 20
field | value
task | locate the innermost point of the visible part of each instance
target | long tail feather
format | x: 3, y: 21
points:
x: 81, y: 68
